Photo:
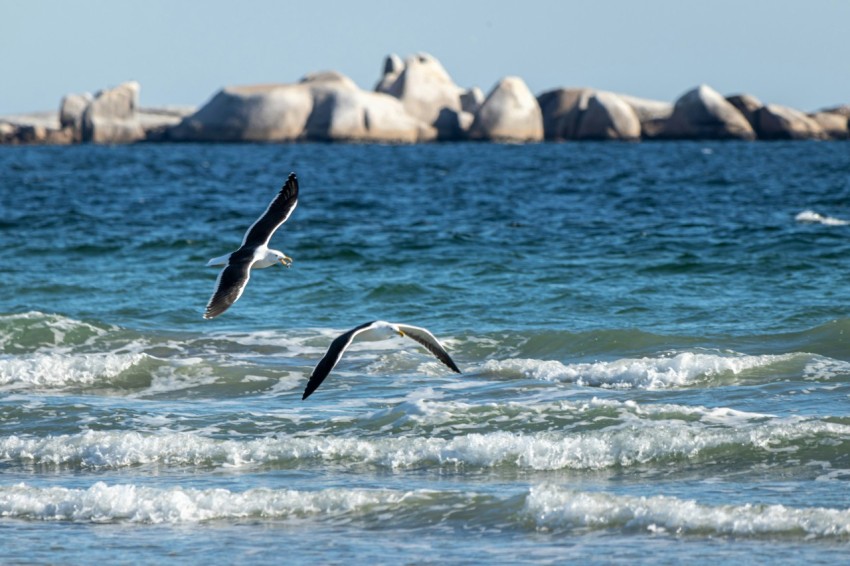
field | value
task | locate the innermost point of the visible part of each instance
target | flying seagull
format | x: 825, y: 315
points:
x: 375, y: 330
x: 254, y: 251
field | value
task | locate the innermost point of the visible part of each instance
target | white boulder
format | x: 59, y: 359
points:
x: 111, y: 116
x: 510, y: 113
x: 427, y: 92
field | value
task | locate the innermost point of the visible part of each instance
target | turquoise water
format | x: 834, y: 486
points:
x: 654, y: 349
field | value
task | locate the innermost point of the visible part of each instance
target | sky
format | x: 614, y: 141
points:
x: 795, y: 53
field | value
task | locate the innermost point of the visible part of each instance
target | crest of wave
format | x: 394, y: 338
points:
x: 55, y: 371
x: 682, y: 369
x: 553, y: 507
x: 644, y: 442
x: 109, y: 503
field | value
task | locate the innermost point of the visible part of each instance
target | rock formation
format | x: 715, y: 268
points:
x: 71, y: 111
x: 510, y: 113
x: 608, y: 117
x: 325, y: 106
x: 834, y: 124
x: 427, y: 92
x: 776, y: 122
x: 652, y: 114
x: 111, y: 116
x: 561, y: 109
x: 749, y: 106
x: 702, y: 113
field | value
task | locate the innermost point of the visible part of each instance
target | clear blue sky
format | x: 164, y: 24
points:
x: 789, y: 52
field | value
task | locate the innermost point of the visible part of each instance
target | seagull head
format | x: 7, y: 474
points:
x: 284, y: 259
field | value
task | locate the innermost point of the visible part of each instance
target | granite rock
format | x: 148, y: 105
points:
x: 777, y: 122
x: 703, y: 113
x: 111, y: 116
x: 510, y: 113
x: 428, y: 93
x: 608, y: 117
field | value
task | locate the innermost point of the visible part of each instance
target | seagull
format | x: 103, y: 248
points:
x: 254, y: 251
x: 375, y: 330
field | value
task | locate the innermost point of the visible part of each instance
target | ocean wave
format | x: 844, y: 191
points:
x: 685, y: 369
x: 53, y: 371
x: 718, y: 436
x: 543, y: 508
x: 102, y: 503
x: 35, y: 331
x: 556, y: 508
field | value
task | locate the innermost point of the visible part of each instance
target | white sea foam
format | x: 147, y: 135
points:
x: 547, y: 507
x: 57, y: 371
x: 679, y: 370
x: 554, y: 507
x: 812, y: 217
x: 129, y: 503
x: 625, y: 443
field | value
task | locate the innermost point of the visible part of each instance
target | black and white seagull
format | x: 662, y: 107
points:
x: 254, y: 251
x: 375, y: 330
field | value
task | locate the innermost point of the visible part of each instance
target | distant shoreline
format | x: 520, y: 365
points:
x: 416, y: 101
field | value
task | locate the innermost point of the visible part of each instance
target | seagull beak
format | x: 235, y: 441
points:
x: 401, y: 333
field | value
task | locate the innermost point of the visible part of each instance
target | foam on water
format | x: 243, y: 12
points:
x: 546, y: 507
x: 684, y: 369
x: 812, y: 217
x: 50, y: 371
x: 102, y: 503
x: 556, y: 508
x: 637, y: 440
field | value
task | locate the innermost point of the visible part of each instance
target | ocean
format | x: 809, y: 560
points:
x: 653, y: 339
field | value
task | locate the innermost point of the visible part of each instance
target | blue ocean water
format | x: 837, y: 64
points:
x: 653, y: 340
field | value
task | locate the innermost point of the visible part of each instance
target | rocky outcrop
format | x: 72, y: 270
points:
x: 749, y: 106
x: 834, y: 125
x: 702, y: 113
x: 608, y: 117
x: 843, y: 110
x: 588, y: 114
x: 427, y: 92
x: 343, y: 112
x: 776, y: 122
x: 393, y: 66
x: 111, y: 117
x: 652, y: 114
x: 510, y: 113
x: 561, y: 109
x: 258, y: 113
x: 71, y: 111
x: 326, y: 106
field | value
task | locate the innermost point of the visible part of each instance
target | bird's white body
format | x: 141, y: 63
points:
x: 263, y: 257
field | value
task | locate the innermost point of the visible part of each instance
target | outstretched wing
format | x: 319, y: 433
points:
x: 229, y: 286
x: 428, y: 340
x: 331, y: 357
x: 276, y: 214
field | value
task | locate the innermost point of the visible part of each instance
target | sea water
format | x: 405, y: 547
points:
x: 653, y: 338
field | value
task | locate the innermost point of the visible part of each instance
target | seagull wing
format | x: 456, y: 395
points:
x: 276, y: 214
x: 428, y: 340
x: 331, y: 357
x: 230, y: 284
